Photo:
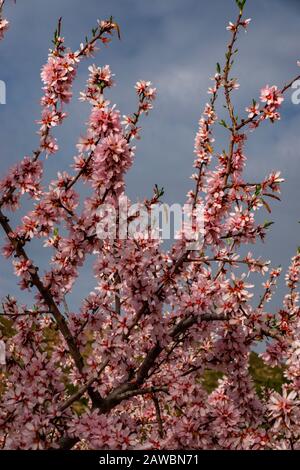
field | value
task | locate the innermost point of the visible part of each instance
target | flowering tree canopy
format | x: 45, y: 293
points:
x: 125, y: 370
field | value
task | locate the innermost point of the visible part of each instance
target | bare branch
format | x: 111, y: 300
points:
x: 142, y: 391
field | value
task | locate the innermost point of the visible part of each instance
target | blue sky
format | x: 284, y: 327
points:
x: 175, y: 44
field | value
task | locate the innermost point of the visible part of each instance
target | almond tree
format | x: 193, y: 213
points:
x: 125, y: 370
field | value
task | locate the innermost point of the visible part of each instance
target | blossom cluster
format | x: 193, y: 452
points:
x: 4, y: 25
x: 126, y: 368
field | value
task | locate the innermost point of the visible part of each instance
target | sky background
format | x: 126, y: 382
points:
x: 175, y: 44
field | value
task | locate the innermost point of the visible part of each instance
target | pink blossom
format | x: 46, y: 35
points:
x: 4, y: 25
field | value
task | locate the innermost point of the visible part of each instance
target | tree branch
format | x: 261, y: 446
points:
x: 158, y: 416
x: 76, y: 396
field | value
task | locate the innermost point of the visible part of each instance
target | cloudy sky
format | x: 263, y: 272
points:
x: 175, y: 44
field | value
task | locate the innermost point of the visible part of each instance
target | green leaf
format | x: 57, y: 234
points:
x: 223, y: 123
x: 159, y: 192
x: 117, y: 27
x: 101, y: 84
x: 258, y: 189
x: 218, y: 67
x: 240, y: 4
x: 267, y: 224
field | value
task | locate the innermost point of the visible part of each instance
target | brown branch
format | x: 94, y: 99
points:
x: 67, y: 442
x: 77, y: 395
x: 1, y: 7
x: 26, y: 313
x: 158, y: 415
x: 227, y: 69
x: 143, y: 391
x: 127, y: 388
